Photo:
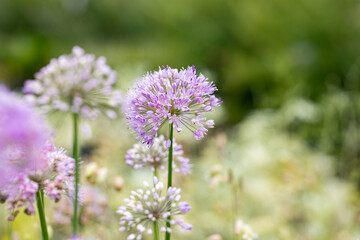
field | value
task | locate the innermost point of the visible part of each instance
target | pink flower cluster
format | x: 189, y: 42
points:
x: 22, y: 135
x: 56, y: 179
x: 28, y: 163
x: 179, y: 97
x: 22, y: 194
x: 62, y: 171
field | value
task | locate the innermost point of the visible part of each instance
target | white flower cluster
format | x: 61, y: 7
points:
x: 144, y: 208
x: 78, y: 83
x: 156, y: 156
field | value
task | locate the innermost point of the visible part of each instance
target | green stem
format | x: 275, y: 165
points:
x: 9, y: 231
x: 156, y: 227
x: 156, y: 231
x: 168, y: 235
x: 43, y: 200
x: 155, y: 172
x: 77, y: 172
x: 40, y: 206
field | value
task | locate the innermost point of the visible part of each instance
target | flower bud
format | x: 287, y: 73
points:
x: 118, y: 183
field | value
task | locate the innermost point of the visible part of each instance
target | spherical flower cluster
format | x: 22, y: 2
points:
x: 21, y: 193
x: 145, y: 207
x: 56, y: 179
x: 22, y: 136
x: 179, y: 97
x: 156, y: 157
x: 94, y: 206
x: 246, y: 231
x: 79, y: 83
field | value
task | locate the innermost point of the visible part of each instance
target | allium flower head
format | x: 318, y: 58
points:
x: 28, y: 163
x: 22, y: 135
x: 78, y: 83
x: 157, y: 155
x: 147, y: 206
x: 179, y: 97
x: 55, y: 179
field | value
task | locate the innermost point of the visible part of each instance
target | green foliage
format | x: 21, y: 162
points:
x: 260, y: 52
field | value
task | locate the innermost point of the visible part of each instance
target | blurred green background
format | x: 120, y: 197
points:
x: 289, y: 128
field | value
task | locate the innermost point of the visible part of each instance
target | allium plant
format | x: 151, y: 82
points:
x: 179, y: 98
x: 146, y: 211
x: 81, y: 84
x: 169, y: 95
x: 55, y: 179
x: 78, y: 83
x: 29, y: 166
x: 21, y: 130
x: 156, y: 156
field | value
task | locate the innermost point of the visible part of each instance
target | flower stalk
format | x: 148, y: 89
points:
x: 155, y: 172
x: 168, y: 225
x: 43, y: 200
x: 9, y: 231
x: 44, y: 231
x: 156, y: 231
x: 156, y: 227
x: 77, y: 171
x: 170, y: 156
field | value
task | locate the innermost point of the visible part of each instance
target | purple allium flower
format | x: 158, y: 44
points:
x: 78, y: 83
x: 157, y: 155
x: 146, y: 206
x: 28, y: 163
x: 22, y: 135
x: 59, y: 176
x: 179, y: 97
x: 56, y: 179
